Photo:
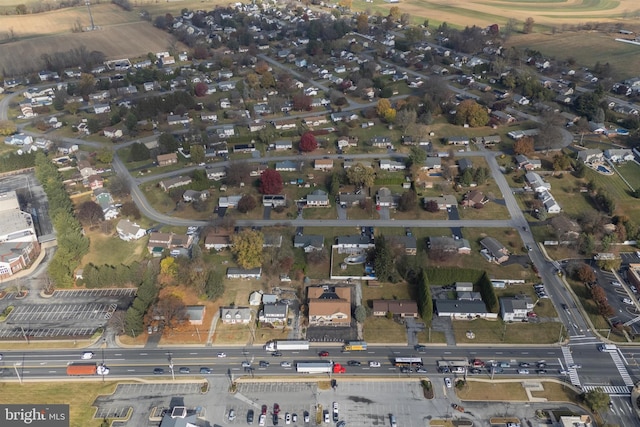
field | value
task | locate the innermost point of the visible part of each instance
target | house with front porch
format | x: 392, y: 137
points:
x: 515, y: 309
x: 235, y: 315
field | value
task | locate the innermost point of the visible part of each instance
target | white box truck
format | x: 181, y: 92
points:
x: 286, y: 345
x: 607, y: 347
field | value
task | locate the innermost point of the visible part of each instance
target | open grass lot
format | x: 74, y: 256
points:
x: 484, y: 390
x: 631, y: 173
x: 506, y: 333
x: 383, y: 330
x: 80, y: 410
x: 111, y: 250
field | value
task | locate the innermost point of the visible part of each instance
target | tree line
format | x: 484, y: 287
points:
x: 72, y: 244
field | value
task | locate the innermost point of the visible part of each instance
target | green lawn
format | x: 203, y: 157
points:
x: 383, y: 330
x: 506, y: 333
x: 111, y: 250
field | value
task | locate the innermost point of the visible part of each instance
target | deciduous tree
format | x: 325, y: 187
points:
x: 238, y: 172
x: 247, y: 203
x: 247, y: 248
x: 197, y: 154
x: 597, y: 399
x: 471, y: 113
x: 90, y: 213
x: 271, y: 182
x: 308, y: 142
x: 523, y: 146
x: 361, y: 176
x: 172, y: 309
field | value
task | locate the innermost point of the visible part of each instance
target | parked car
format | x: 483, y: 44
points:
x: 276, y: 408
x: 448, y: 383
x: 294, y: 418
x: 616, y: 284
x: 232, y: 414
x: 275, y: 419
x: 327, y: 418
x: 421, y: 370
x: 287, y: 418
x: 262, y: 420
x: 264, y: 410
x: 306, y: 416
x: 524, y: 364
x: 627, y: 301
x: 541, y: 371
x: 392, y: 420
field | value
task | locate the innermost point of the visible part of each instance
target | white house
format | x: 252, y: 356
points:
x: 391, y: 165
x: 129, y: 231
x: 619, y: 155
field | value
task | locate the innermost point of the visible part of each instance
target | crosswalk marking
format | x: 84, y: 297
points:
x: 620, y: 365
x: 618, y: 390
x: 568, y: 360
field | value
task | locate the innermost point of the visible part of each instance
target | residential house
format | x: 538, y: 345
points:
x: 456, y: 309
x: 104, y: 199
x: 242, y: 273
x: 521, y: 100
x: 216, y: 174
x: 432, y: 164
x: 473, y: 198
x: 178, y: 181
x: 407, y: 244
x: 287, y: 166
x: 225, y: 131
x: 489, y: 141
x: 227, y: 85
x: 274, y: 200
x: 329, y: 305
x: 381, y: 142
x: 229, y: 202
x: 286, y: 124
x: 217, y: 242
x: 549, y: 203
x: 112, y: 132
x: 590, y: 155
x: 257, y: 169
x: 343, y: 116
x: 256, y: 125
x: 458, y: 140
x: 163, y: 241
x: 515, y: 308
x: 209, y: 117
x: 244, y: 148
x: 195, y: 314
x: 444, y: 202
x: 315, y: 121
x: 235, y: 315
x: 255, y: 298
x: 398, y: 308
x: 392, y: 165
x: 323, y: 164
x: 317, y: 198
x: 275, y: 314
x: 85, y: 168
x: 350, y: 199
x: 129, y: 231
x: 536, y: 182
x: 283, y: 145
x: 619, y: 155
x: 95, y: 182
x: 494, y: 250
x: 346, y: 142
x: 19, y: 140
x: 193, y: 195
x: 385, y: 198
x: 448, y: 244
x: 309, y: 242
x: 354, y: 244
x: 348, y: 163
x: 167, y: 159
x: 101, y: 108
x: 464, y: 164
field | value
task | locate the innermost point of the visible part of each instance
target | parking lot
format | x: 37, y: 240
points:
x: 60, y: 312
x: 95, y: 293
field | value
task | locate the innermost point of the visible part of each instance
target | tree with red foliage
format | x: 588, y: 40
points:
x: 308, y: 142
x: 301, y: 102
x: 201, y: 89
x: 270, y: 182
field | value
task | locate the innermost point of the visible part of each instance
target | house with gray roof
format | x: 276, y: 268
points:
x: 178, y: 181
x: 449, y: 244
x: 495, y: 250
x: 244, y: 273
x: 350, y: 199
x: 274, y: 313
x: 235, y: 315
x: 317, y: 198
x: 129, y: 231
x: 385, y: 198
x: 515, y: 308
x: 287, y: 166
x: 464, y: 164
x: 456, y: 309
x: 309, y: 242
x: 356, y: 243
x: 536, y: 182
x: 444, y: 202
x: 590, y: 155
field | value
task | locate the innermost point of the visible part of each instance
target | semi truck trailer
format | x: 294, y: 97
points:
x: 86, y: 369
x: 324, y: 367
x: 286, y: 345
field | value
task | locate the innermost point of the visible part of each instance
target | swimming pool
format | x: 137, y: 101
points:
x: 603, y: 169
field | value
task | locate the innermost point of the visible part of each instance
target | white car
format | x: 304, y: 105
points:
x: 287, y: 418
x: 616, y: 284
x: 392, y: 419
x: 627, y: 301
x: 102, y: 370
x: 448, y: 383
x: 373, y: 364
x: 306, y: 416
x: 222, y: 355
x: 262, y: 420
x: 232, y: 415
x: 523, y: 371
x: 327, y: 419
x: 285, y: 364
x: 87, y: 355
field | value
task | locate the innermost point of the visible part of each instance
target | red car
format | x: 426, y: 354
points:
x: 323, y: 353
x: 276, y: 408
x: 264, y: 409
